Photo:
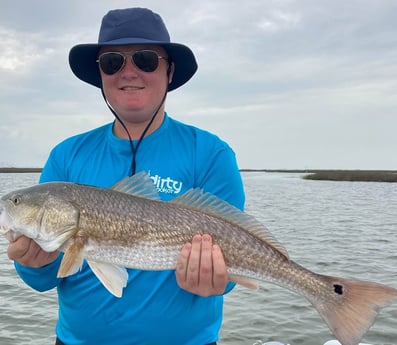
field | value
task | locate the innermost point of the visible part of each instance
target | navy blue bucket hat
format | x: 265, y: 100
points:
x: 132, y: 26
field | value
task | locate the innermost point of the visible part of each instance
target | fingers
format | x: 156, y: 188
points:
x: 206, y: 262
x: 28, y: 253
x: 201, y: 268
x: 193, y: 264
x: 181, y: 266
x: 220, y: 275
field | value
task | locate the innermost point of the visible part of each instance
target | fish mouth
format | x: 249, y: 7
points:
x: 5, y: 226
x: 4, y: 221
x: 11, y: 235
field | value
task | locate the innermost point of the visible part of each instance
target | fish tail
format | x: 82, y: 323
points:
x: 349, y: 307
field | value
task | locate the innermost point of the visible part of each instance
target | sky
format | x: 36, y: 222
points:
x: 308, y: 84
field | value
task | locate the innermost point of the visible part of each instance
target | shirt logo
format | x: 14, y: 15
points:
x: 166, y: 185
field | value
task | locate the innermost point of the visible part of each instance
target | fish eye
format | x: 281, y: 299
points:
x: 16, y: 199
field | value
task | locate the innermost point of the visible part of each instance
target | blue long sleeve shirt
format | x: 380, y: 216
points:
x: 153, y: 309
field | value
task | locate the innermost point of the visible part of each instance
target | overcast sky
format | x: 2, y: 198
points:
x: 288, y: 84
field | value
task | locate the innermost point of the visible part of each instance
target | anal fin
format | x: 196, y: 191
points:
x: 248, y: 283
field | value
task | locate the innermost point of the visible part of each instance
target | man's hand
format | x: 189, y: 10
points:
x: 201, y: 267
x: 28, y: 253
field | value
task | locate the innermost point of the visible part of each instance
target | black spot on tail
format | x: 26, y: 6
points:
x: 338, y: 289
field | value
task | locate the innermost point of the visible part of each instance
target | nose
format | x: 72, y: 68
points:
x: 129, y: 66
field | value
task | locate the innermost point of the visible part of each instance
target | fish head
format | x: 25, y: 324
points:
x: 42, y: 213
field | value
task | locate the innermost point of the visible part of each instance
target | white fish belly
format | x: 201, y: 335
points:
x: 142, y: 255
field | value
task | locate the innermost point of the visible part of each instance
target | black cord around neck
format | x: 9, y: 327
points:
x: 134, y: 148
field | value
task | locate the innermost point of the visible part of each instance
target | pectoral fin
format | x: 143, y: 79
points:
x: 72, y: 259
x: 113, y: 277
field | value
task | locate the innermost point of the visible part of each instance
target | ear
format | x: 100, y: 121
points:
x: 170, y: 72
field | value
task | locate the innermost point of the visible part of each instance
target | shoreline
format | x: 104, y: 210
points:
x: 354, y: 175
x: 20, y: 170
x: 341, y: 175
x: 310, y: 174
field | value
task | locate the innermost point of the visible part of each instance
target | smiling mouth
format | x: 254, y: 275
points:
x: 131, y: 88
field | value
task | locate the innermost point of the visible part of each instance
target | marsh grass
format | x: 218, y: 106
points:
x: 19, y: 170
x: 338, y: 175
x: 329, y: 175
x: 353, y: 175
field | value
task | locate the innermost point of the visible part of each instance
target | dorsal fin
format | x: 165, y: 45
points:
x: 199, y: 200
x: 139, y: 184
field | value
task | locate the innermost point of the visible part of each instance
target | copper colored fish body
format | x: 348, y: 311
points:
x: 128, y: 226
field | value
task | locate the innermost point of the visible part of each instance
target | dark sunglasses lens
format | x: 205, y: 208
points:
x: 146, y: 60
x: 111, y: 62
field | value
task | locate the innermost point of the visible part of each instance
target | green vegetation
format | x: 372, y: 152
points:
x: 20, y: 170
x: 339, y: 175
x: 328, y: 175
x: 354, y: 175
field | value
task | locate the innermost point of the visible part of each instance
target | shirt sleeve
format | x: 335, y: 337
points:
x: 218, y: 174
x: 54, y: 169
x: 42, y: 278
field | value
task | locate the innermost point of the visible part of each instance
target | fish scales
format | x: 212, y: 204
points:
x: 124, y: 220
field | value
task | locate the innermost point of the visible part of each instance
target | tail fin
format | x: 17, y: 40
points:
x: 350, y: 307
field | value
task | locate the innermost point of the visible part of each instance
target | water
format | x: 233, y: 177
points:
x: 26, y: 316
x: 339, y: 228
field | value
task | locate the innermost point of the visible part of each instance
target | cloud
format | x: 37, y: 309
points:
x: 287, y: 83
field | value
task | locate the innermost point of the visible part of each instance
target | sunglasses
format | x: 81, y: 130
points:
x: 145, y: 60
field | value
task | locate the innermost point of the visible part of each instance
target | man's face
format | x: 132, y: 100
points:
x: 133, y: 93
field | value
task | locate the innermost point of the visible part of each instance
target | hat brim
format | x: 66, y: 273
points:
x: 82, y: 60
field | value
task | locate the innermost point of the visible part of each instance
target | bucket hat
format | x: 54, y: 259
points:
x: 132, y: 26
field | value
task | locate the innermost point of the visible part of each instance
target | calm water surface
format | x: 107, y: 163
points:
x: 338, y: 228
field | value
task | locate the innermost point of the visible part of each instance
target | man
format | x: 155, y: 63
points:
x: 135, y: 64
